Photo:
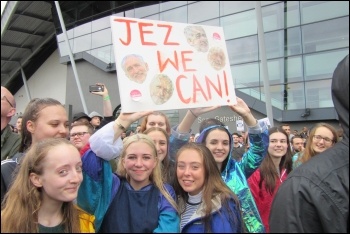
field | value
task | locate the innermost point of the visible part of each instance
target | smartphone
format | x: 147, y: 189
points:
x: 96, y: 88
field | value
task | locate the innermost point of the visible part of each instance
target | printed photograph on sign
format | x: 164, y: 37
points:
x: 166, y: 65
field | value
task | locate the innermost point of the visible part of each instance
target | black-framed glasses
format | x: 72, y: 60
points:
x: 5, y: 98
x: 79, y: 134
x: 326, y: 139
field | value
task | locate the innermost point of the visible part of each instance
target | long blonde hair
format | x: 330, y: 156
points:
x: 20, y: 208
x: 156, y: 175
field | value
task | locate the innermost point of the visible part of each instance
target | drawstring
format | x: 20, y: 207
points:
x: 284, y: 171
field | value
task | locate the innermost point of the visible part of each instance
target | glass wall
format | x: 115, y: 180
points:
x: 304, y: 41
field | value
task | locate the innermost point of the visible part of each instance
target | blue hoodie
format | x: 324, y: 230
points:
x: 235, y: 174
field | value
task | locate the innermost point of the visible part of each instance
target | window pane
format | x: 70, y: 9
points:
x: 142, y: 12
x: 312, y: 11
x: 63, y: 47
x: 293, y: 69
x: 101, y: 38
x: 239, y: 25
x: 101, y: 23
x: 318, y: 94
x: 202, y: 11
x: 82, y: 43
x: 242, y: 50
x: 104, y: 54
x: 82, y: 29
x: 246, y: 75
x: 292, y: 15
x: 292, y: 44
x: 322, y: 65
x: 326, y: 35
x: 295, y: 97
x: 171, y: 4
x: 273, y: 17
x: 274, y: 42
x: 175, y: 15
x: 229, y: 7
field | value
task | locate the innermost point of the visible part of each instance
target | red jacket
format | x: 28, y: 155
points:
x: 263, y: 198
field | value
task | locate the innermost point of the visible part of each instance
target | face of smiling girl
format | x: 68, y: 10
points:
x: 139, y: 163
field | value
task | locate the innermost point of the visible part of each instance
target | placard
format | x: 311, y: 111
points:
x: 165, y: 65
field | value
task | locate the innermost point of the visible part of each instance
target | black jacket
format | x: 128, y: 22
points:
x: 315, y: 196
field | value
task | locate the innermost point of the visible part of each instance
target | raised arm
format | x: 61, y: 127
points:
x: 106, y: 142
x: 258, y: 137
x: 181, y: 133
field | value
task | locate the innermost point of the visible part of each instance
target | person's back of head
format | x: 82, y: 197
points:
x: 340, y: 94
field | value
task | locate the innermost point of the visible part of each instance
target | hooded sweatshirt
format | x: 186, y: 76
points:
x: 315, y: 196
x: 235, y: 174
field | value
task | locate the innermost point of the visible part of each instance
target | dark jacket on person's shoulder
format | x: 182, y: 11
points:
x: 315, y: 196
x: 9, y: 168
x: 10, y: 142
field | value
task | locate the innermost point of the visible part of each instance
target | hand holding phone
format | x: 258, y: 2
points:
x: 96, y: 88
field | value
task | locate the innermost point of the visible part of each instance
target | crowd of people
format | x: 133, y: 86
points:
x: 97, y: 174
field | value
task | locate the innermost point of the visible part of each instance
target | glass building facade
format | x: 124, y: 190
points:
x: 304, y: 41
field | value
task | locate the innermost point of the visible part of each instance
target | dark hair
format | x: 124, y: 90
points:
x: 296, y: 136
x: 268, y: 171
x: 31, y: 113
x: 209, y: 122
x: 213, y: 185
x: 202, y: 139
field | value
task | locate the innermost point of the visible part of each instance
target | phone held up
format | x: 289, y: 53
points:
x: 96, y: 88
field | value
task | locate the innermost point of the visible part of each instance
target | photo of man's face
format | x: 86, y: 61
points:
x: 161, y: 89
x: 197, y: 38
x: 135, y: 68
x: 216, y: 58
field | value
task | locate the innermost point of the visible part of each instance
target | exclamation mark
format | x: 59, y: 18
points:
x: 226, y: 87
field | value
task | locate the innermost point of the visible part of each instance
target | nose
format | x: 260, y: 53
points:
x: 138, y: 162
x: 63, y: 129
x: 187, y: 171
x: 76, y: 177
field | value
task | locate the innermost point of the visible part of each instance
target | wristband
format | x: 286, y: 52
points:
x: 106, y: 98
x: 120, y: 126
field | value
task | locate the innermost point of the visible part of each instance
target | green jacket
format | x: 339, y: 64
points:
x: 10, y: 143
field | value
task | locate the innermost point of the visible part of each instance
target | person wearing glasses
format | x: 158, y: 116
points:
x: 321, y: 137
x: 10, y: 141
x: 80, y: 133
